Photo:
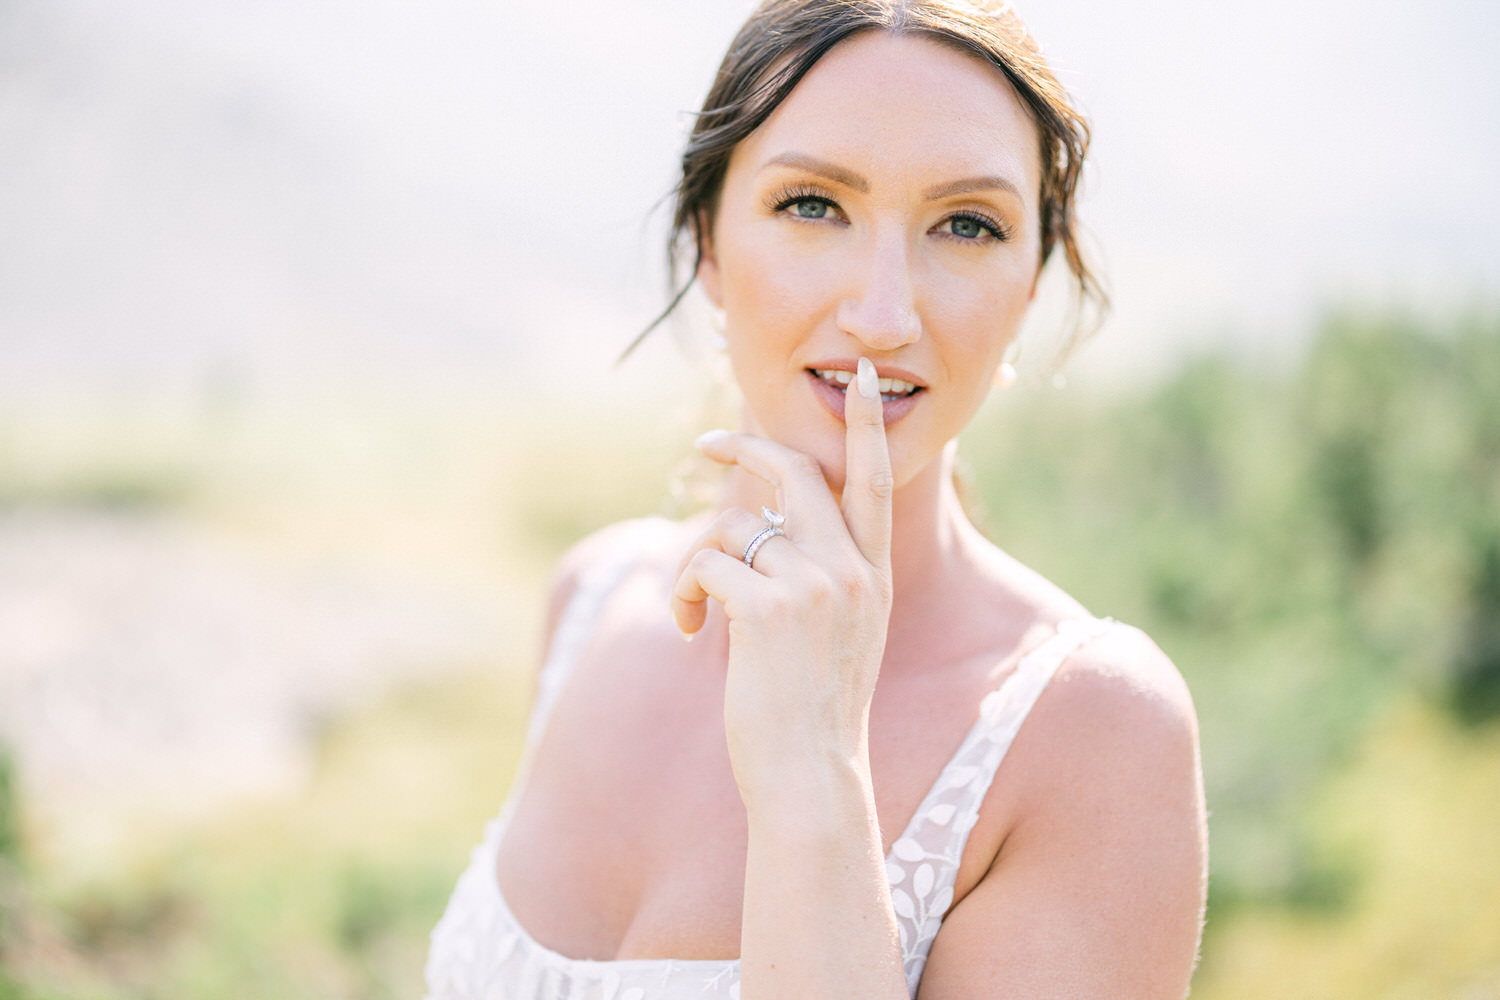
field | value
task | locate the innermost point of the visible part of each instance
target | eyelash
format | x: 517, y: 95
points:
x: 997, y: 229
x: 785, y: 198
x: 789, y: 196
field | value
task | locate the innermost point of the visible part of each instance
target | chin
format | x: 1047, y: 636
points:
x: 832, y: 461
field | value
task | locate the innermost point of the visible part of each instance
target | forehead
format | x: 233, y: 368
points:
x: 907, y: 107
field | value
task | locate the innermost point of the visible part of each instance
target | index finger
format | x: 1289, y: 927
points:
x: 868, y: 482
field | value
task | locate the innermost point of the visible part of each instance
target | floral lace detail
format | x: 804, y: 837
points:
x: 480, y: 951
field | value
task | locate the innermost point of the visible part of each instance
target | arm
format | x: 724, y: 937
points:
x: 1098, y: 889
x: 807, y: 629
x: 818, y: 920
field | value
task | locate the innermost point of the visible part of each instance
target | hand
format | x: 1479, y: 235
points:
x: 807, y: 623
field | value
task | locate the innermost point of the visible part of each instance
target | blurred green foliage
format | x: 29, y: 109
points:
x: 10, y: 811
x: 331, y: 895
x: 1316, y: 545
x: 1304, y: 543
x: 10, y: 868
x: 41, y: 467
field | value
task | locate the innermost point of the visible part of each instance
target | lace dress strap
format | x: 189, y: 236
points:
x: 923, y: 864
x: 575, y: 626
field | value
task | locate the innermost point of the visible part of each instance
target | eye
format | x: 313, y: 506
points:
x: 973, y: 227
x: 810, y: 208
x: 804, y: 203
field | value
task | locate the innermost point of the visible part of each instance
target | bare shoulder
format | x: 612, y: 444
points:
x: 1120, y: 687
x: 1117, y: 701
x: 641, y: 542
x: 1117, y: 728
x: 1116, y: 706
x: 1100, y: 879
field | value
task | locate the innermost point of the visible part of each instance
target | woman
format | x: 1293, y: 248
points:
x: 801, y: 800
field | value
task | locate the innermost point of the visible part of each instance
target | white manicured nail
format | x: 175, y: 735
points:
x: 869, y: 385
x: 708, y: 438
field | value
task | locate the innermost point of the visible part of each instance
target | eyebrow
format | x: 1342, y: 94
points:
x: 849, y: 179
x: 994, y: 182
x: 822, y: 168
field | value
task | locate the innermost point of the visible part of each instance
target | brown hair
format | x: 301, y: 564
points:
x: 784, y: 38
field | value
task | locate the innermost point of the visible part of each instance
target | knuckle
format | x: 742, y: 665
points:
x: 851, y: 584
x: 773, y: 604
x: 777, y: 601
x: 881, y: 486
x: 821, y: 590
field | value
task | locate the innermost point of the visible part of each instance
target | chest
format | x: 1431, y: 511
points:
x: 628, y: 840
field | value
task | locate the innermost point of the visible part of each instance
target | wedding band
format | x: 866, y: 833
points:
x: 774, y: 521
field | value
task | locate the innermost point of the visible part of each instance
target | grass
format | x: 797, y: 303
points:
x: 1412, y: 816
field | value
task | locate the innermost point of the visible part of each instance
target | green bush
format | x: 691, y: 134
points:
x: 1305, y: 543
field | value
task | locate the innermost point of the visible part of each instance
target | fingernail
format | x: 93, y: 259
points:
x: 864, y: 377
x: 708, y: 438
x: 687, y: 636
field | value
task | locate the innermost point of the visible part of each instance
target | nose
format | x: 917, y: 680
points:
x: 879, y: 308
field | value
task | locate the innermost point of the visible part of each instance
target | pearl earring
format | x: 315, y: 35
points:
x: 1005, y: 375
x: 717, y: 340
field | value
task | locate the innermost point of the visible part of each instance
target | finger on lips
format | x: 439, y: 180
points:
x: 867, y: 467
x: 714, y: 566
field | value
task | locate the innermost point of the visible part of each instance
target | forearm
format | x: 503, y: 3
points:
x: 818, y: 921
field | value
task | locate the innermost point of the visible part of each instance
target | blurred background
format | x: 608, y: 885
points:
x: 308, y: 314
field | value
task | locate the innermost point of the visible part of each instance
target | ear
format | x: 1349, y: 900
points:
x: 708, y: 262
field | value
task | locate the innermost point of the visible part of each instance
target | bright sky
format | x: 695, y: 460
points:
x: 285, y: 190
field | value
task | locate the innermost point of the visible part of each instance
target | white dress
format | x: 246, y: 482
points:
x: 481, y: 952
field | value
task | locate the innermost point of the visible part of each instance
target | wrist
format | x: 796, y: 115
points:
x: 811, y: 797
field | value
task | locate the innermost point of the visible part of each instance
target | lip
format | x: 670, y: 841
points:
x: 833, y: 400
x: 881, y: 371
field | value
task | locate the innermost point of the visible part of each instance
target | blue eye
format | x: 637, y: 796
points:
x: 967, y: 228
x: 804, y: 203
x: 810, y: 208
x: 973, y: 227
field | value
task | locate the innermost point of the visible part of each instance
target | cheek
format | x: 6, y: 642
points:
x: 771, y: 293
x: 978, y: 315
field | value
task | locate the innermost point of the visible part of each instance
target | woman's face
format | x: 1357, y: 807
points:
x: 887, y: 208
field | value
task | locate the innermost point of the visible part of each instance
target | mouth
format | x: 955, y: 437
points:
x: 891, y: 389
